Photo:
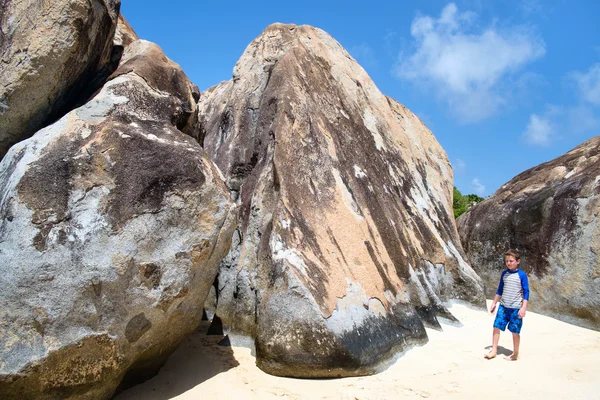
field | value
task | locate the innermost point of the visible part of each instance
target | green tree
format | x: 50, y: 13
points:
x: 472, y: 199
x: 459, y: 203
x: 462, y: 203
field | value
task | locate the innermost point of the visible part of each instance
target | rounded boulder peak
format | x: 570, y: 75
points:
x: 346, y: 244
x: 277, y: 39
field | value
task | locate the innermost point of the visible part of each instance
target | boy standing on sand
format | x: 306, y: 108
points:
x: 513, y: 294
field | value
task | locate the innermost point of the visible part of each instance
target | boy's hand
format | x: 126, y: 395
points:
x: 493, y: 307
x: 522, y: 312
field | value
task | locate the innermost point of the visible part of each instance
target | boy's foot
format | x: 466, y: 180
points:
x: 512, y: 357
x: 490, y: 355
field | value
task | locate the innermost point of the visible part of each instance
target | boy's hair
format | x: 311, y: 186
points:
x: 512, y: 252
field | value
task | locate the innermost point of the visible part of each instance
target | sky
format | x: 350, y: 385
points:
x: 504, y: 85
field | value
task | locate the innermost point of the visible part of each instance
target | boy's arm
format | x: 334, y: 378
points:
x: 498, y: 292
x: 493, y: 307
x: 523, y: 309
x: 525, y: 287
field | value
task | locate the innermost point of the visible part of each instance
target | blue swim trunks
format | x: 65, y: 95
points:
x: 510, y: 317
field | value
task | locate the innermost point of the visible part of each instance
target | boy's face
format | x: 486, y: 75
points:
x: 511, y: 262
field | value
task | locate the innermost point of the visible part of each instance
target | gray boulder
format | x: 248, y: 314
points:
x: 346, y: 241
x: 53, y: 55
x: 550, y: 214
x: 113, y: 225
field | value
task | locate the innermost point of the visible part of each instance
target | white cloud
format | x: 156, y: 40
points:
x: 459, y: 166
x: 575, y: 119
x: 539, y: 131
x: 543, y: 128
x: 467, y: 67
x: 478, y: 187
x: 588, y: 84
x: 582, y: 119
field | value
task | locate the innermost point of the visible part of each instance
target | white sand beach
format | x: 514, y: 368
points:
x: 557, y: 361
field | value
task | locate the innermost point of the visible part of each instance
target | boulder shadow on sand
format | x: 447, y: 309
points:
x: 198, y: 359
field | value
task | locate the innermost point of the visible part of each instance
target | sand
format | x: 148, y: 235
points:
x: 557, y: 361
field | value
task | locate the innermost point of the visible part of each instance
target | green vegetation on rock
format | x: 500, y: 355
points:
x: 461, y: 203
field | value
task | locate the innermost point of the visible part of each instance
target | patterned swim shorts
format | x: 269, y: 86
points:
x: 510, y: 317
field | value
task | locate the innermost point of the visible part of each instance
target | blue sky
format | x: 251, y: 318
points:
x: 504, y: 85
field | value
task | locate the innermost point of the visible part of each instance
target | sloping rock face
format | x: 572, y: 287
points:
x: 346, y: 239
x: 549, y: 213
x: 124, y: 35
x: 53, y: 54
x: 113, y: 226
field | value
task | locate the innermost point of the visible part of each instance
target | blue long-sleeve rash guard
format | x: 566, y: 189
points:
x: 513, y: 288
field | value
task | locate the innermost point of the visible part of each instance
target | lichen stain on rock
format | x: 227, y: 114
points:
x: 162, y: 74
x: 381, y: 268
x: 68, y: 372
x: 122, y: 264
x: 360, y: 148
x: 86, y: 364
x: 46, y: 185
x: 150, y: 274
x: 142, y: 177
x: 170, y: 294
x: 137, y: 176
x: 200, y: 251
x: 136, y: 327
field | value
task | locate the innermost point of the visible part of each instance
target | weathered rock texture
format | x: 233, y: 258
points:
x: 53, y: 55
x: 124, y: 35
x: 346, y: 238
x: 550, y: 214
x: 113, y: 225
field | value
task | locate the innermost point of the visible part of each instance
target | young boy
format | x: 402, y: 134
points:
x: 513, y: 294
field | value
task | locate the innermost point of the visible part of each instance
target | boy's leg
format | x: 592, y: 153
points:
x: 495, y: 340
x: 514, y: 326
x: 499, y: 324
x: 516, y: 343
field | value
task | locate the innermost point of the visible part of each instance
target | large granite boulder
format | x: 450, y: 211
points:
x: 346, y: 242
x: 54, y: 54
x: 550, y: 214
x: 113, y: 225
